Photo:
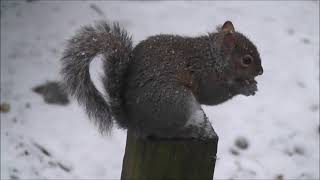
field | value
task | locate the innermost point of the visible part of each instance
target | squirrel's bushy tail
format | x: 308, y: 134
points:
x: 115, y: 45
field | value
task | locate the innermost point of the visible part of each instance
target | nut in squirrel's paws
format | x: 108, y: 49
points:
x: 247, y: 87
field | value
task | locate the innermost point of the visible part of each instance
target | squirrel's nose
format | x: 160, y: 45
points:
x: 260, y: 71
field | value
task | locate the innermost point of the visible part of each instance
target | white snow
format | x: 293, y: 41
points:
x: 197, y: 117
x: 198, y: 121
x: 281, y: 118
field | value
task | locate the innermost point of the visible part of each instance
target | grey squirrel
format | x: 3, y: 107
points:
x: 156, y: 87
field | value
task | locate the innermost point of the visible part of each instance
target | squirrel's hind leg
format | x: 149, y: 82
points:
x: 167, y: 112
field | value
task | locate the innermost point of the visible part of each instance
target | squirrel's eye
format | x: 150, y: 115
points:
x: 246, y: 60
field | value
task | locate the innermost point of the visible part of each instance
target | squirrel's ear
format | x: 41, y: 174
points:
x: 228, y: 35
x: 227, y: 27
x: 229, y: 41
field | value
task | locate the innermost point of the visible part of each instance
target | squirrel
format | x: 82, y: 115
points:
x: 157, y: 87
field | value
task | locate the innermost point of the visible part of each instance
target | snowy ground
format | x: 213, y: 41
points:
x: 280, y: 123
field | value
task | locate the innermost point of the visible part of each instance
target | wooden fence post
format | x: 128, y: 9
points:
x: 169, y: 159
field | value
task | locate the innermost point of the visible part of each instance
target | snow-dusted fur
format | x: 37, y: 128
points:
x: 115, y: 45
x: 166, y: 69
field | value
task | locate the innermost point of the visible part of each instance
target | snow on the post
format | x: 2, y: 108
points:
x: 198, y: 123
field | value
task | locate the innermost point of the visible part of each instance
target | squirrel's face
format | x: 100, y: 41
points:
x: 244, y: 60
